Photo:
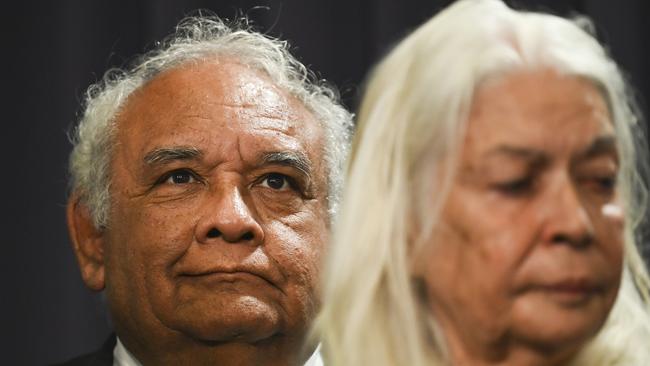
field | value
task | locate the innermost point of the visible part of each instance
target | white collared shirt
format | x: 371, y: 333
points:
x: 122, y: 357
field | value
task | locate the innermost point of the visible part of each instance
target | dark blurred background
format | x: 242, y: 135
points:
x: 57, y: 48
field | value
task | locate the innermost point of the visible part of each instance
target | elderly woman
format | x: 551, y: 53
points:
x: 492, y: 202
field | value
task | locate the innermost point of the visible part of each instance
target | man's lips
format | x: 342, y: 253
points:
x: 228, y: 275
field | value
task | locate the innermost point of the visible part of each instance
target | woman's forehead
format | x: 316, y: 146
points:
x: 541, y: 109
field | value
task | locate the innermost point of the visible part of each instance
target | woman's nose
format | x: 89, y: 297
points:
x: 568, y: 221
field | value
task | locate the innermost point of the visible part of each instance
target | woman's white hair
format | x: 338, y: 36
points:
x: 413, y: 117
x: 197, y: 39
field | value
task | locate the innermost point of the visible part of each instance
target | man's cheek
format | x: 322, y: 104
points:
x: 304, y: 292
x: 298, y: 255
x: 165, y: 229
x: 299, y: 262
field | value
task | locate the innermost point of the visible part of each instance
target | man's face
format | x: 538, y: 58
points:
x: 529, y: 251
x: 218, y: 208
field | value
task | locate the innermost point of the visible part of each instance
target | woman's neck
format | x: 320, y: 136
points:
x: 467, y: 349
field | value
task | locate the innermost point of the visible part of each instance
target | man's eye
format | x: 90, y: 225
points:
x: 180, y: 177
x: 276, y: 181
x: 515, y: 187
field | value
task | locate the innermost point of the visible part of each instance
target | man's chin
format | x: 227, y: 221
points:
x: 244, y: 319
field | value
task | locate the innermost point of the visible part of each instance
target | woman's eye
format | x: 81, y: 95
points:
x: 605, y: 184
x: 515, y: 187
x: 180, y: 177
x: 276, y: 181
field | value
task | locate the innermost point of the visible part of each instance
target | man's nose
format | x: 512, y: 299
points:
x: 227, y: 217
x: 568, y: 221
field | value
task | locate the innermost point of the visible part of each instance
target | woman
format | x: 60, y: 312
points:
x: 492, y: 202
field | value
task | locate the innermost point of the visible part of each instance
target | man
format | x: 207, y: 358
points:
x: 203, y: 183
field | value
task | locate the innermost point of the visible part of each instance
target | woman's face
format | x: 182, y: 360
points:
x: 527, y: 257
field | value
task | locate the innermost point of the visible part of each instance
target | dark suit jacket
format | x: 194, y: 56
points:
x: 101, y: 357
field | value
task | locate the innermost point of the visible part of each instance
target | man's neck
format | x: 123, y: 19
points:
x: 231, y: 353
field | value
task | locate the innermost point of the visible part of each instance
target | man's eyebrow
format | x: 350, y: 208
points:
x: 166, y: 154
x: 292, y: 159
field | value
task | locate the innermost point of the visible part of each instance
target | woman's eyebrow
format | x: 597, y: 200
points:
x: 601, y: 145
x: 533, y: 156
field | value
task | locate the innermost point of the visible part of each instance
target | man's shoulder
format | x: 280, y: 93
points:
x: 101, y: 357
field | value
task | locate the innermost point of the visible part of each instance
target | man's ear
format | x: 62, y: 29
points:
x: 87, y: 243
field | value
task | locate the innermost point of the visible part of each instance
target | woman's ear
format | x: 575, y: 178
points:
x: 87, y: 243
x: 414, y: 249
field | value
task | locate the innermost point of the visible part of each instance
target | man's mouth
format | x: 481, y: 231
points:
x: 224, y: 276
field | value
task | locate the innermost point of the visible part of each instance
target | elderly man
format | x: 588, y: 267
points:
x: 203, y: 182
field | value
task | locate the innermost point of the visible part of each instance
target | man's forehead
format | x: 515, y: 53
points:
x: 203, y: 88
x: 225, y: 82
x: 213, y: 104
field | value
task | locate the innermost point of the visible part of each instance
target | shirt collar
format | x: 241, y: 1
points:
x: 122, y: 357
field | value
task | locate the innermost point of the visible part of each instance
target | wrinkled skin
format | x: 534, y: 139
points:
x: 526, y: 263
x: 217, y: 223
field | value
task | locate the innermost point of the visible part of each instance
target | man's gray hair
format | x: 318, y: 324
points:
x: 197, y: 39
